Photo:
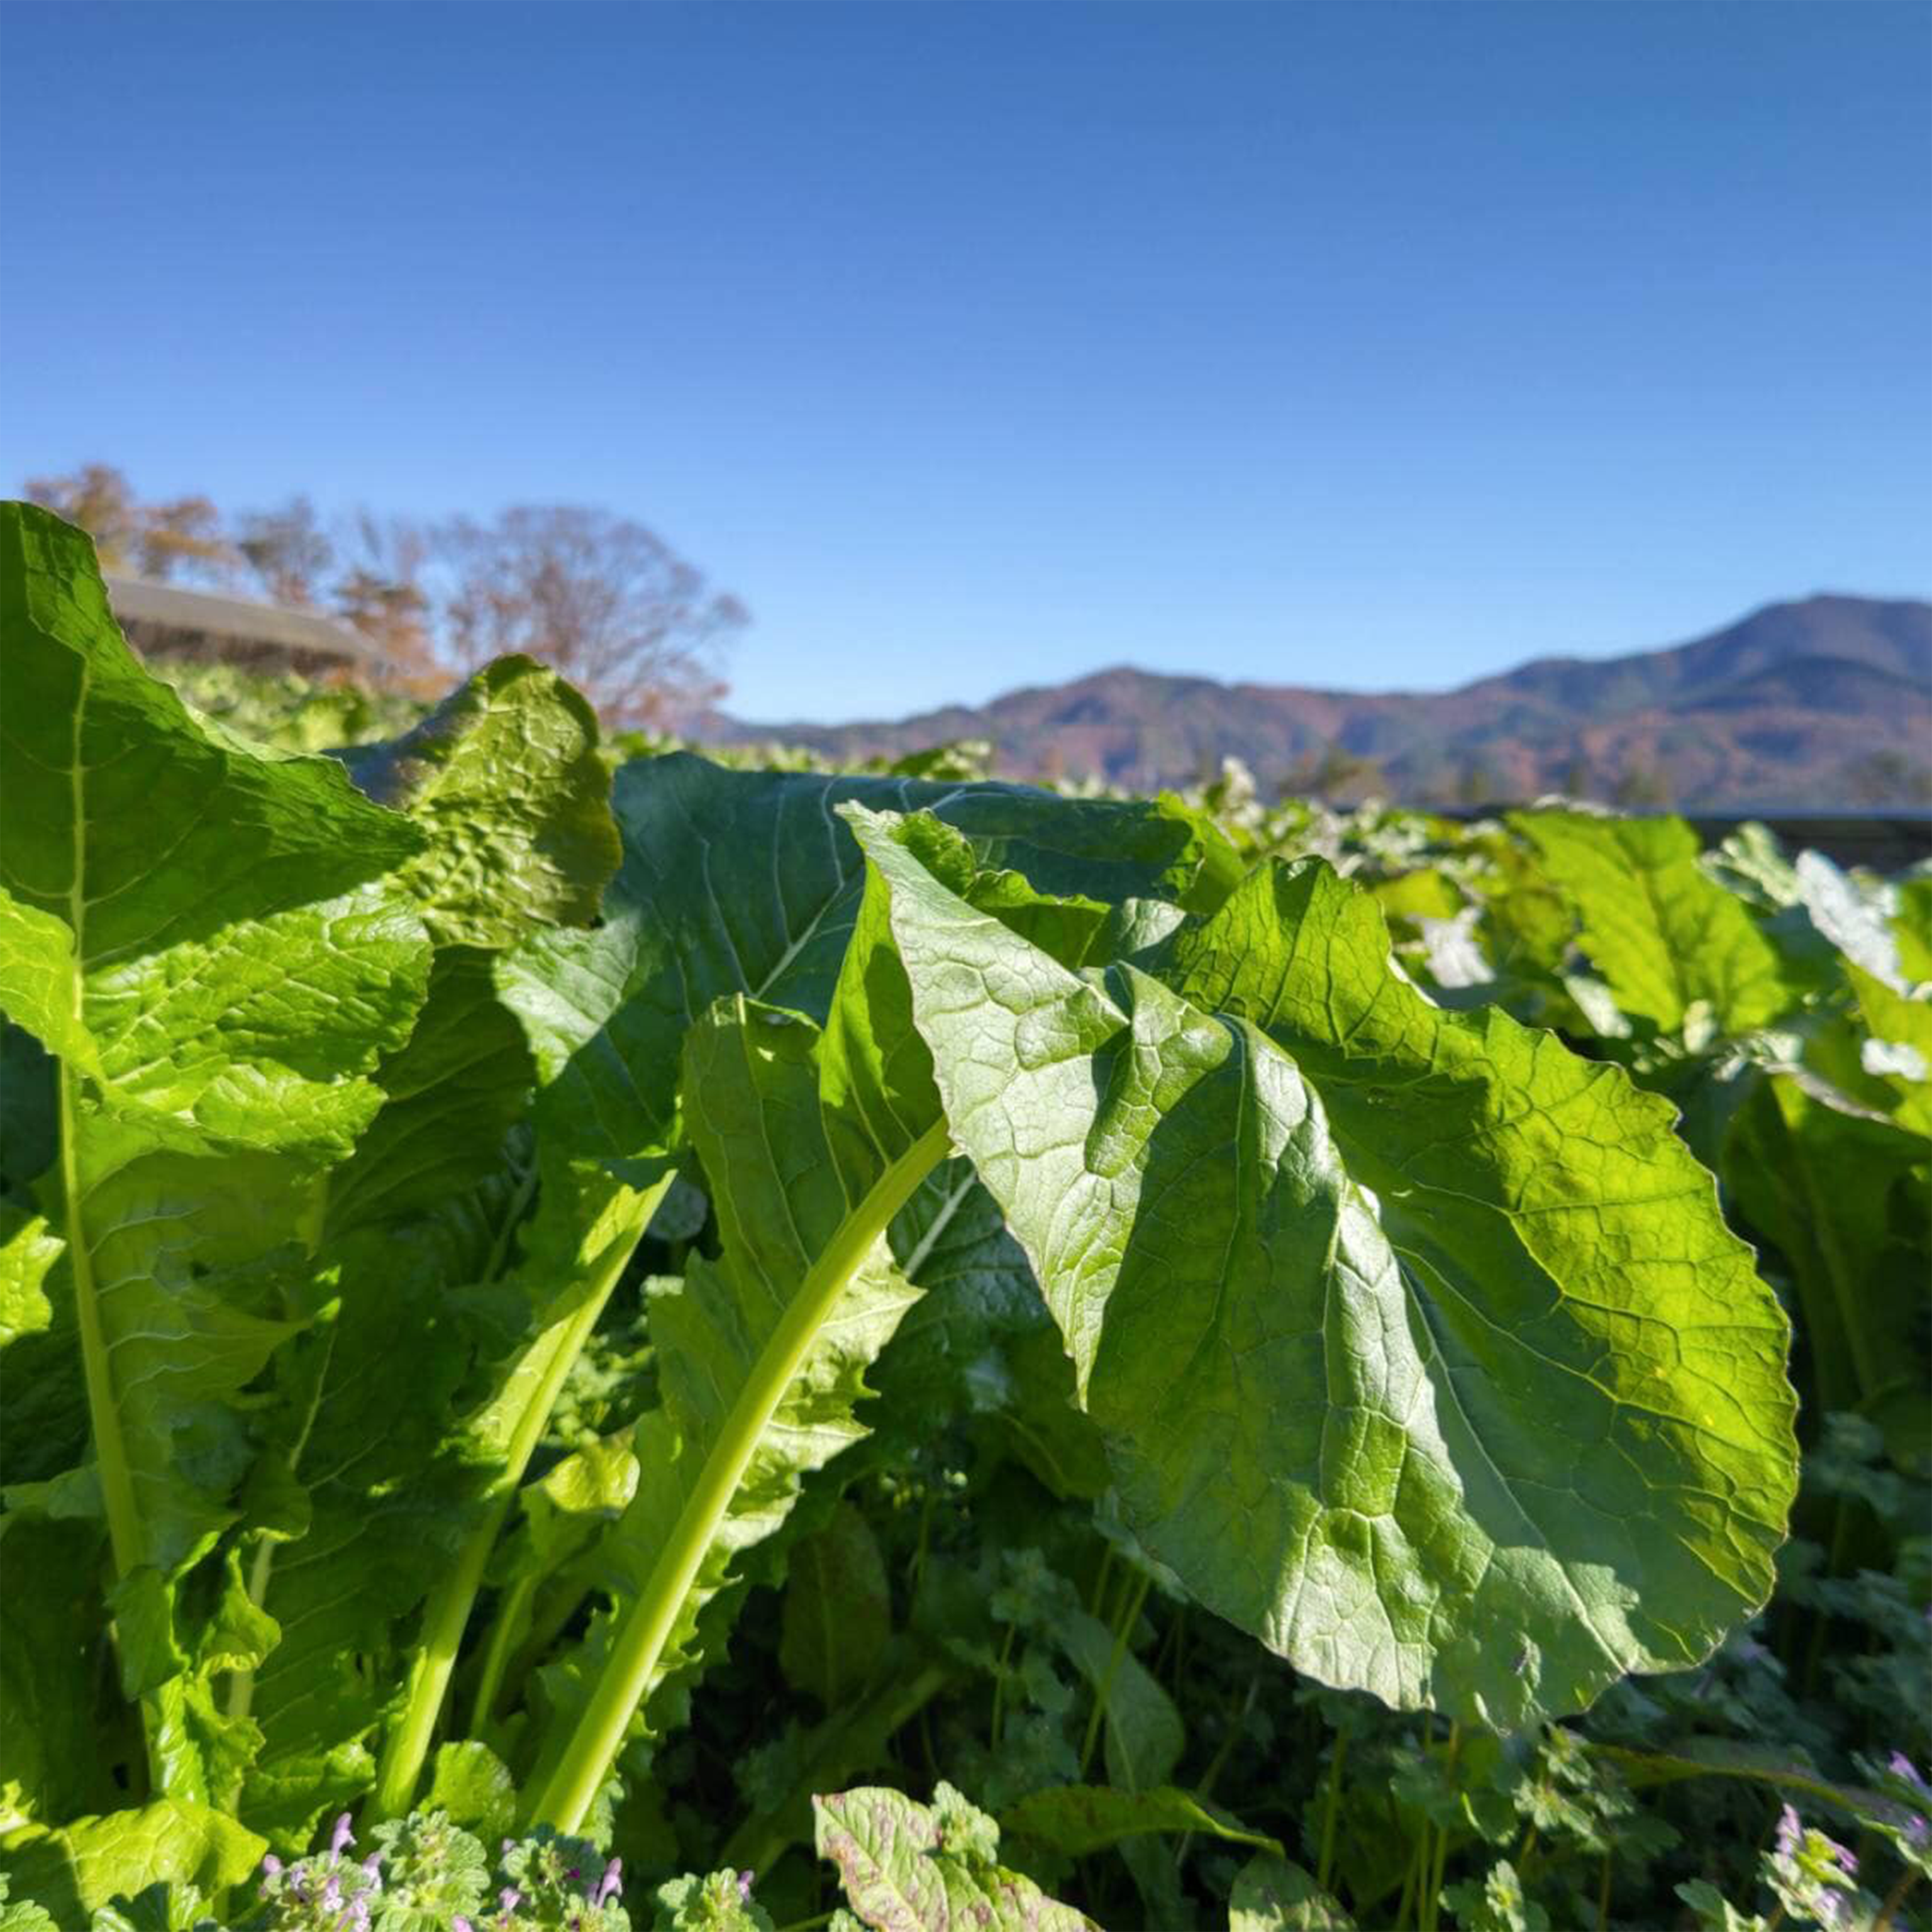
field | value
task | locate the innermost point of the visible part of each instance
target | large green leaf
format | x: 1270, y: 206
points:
x: 504, y: 782
x: 738, y: 885
x: 93, y: 1860
x: 1663, y: 933
x: 748, y: 882
x: 1420, y: 1347
x: 214, y: 944
x: 395, y: 1487
x: 1833, y: 1185
x: 369, y: 1465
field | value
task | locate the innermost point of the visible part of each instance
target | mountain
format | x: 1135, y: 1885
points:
x: 1820, y: 703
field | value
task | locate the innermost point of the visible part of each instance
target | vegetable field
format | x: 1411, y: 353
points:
x: 596, y: 1341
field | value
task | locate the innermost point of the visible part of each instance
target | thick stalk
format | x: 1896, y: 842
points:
x: 633, y: 1662
x: 530, y: 1393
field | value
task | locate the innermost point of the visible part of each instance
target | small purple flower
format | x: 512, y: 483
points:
x: 612, y: 1882
x: 744, y: 1887
x: 342, y: 1837
x: 1790, y: 1831
x: 1901, y: 1766
x: 508, y: 1898
x: 460, y: 1923
x: 272, y: 1865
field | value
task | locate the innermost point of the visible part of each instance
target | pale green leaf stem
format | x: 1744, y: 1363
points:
x: 517, y: 1418
x: 641, y: 1638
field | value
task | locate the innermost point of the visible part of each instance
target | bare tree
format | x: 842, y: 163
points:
x: 381, y: 593
x: 602, y: 599
x: 285, y: 551
x: 155, y: 539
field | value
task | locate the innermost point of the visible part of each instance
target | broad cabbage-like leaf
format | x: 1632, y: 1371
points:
x: 748, y: 882
x: 1664, y: 934
x: 396, y: 1488
x: 213, y: 943
x: 1420, y: 1347
x: 1840, y: 1190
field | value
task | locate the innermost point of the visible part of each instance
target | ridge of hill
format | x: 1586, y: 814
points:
x: 1825, y: 701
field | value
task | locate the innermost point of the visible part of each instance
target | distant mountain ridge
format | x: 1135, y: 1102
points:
x: 1825, y: 702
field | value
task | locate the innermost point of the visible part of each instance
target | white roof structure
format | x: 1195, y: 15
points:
x: 164, y: 619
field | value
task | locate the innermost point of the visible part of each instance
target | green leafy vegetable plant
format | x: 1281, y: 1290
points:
x: 585, y: 1306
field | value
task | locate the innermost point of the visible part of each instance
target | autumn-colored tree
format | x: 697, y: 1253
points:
x: 285, y: 552
x: 98, y: 498
x: 382, y: 593
x: 606, y: 602
x: 155, y: 540
x: 603, y: 599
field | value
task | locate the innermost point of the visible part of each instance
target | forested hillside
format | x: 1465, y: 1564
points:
x: 1827, y: 702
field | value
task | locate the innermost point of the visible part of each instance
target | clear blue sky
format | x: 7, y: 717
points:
x: 1367, y: 345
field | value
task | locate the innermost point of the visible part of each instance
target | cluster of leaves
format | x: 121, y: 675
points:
x: 289, y: 711
x: 646, y: 1317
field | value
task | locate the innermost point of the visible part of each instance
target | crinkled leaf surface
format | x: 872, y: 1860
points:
x: 504, y: 779
x: 213, y: 943
x: 1420, y: 1347
x: 504, y: 782
x: 906, y: 1866
x: 368, y: 1438
x: 1660, y: 930
x: 93, y: 1860
x: 720, y: 1902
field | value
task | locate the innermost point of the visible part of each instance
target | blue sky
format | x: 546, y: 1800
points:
x: 1366, y: 345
